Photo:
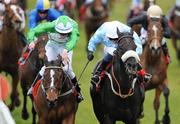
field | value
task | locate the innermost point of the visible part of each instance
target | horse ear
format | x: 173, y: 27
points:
x: 59, y: 60
x: 118, y: 32
x: 45, y: 60
x: 131, y: 31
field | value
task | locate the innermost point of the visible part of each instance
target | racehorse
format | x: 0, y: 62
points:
x: 96, y: 14
x: 175, y: 27
x: 148, y: 3
x: 120, y: 97
x: 10, y: 50
x: 55, y: 101
x: 30, y: 69
x: 154, y: 63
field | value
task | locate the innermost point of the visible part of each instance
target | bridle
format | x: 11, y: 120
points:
x: 60, y: 94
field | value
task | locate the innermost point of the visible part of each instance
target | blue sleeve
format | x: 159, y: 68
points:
x: 138, y: 43
x: 96, y: 39
x: 54, y: 14
x: 33, y: 19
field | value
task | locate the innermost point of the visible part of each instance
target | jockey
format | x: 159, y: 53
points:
x: 17, y: 11
x: 63, y: 35
x: 136, y: 9
x: 172, y: 10
x: 107, y: 35
x: 42, y: 12
x: 153, y: 11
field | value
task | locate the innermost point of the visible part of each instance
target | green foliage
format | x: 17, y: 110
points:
x: 85, y: 113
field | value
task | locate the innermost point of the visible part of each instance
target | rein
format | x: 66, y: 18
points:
x: 119, y: 93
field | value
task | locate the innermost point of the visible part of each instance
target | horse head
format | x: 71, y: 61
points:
x: 125, y: 61
x: 14, y: 17
x: 155, y: 35
x: 40, y: 46
x: 53, y: 79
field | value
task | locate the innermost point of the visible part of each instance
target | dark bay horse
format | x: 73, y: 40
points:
x: 10, y: 50
x: 55, y: 102
x: 154, y: 63
x: 175, y: 27
x: 30, y: 69
x: 120, y: 98
x: 96, y: 15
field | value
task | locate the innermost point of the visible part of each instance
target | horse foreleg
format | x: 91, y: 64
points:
x: 70, y: 119
x: 25, y: 114
x: 166, y: 118
x: 157, y: 104
x: 34, y: 114
x: 14, y: 95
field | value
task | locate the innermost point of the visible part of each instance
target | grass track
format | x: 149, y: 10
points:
x: 85, y: 113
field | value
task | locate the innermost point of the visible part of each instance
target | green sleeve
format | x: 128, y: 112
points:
x: 38, y: 30
x: 74, y: 37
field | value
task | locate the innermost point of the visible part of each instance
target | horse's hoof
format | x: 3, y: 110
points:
x: 157, y: 122
x: 166, y: 119
x: 17, y: 102
x: 25, y: 115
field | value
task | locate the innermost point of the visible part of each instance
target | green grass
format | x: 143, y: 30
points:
x: 85, y: 113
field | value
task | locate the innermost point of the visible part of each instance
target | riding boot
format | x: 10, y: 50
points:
x: 29, y: 93
x: 78, y: 89
x: 97, y: 75
x: 166, y: 53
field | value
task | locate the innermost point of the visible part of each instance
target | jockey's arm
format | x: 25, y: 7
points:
x: 32, y: 19
x: 96, y: 39
x: 54, y: 14
x: 167, y: 31
x: 74, y: 36
x: 137, y: 20
x: 38, y: 30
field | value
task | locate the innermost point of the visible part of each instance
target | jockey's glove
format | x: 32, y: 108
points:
x: 90, y: 56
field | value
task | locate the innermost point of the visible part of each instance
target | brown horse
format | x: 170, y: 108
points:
x: 96, y: 15
x: 154, y: 63
x: 30, y: 69
x: 175, y: 27
x: 10, y: 50
x: 55, y: 101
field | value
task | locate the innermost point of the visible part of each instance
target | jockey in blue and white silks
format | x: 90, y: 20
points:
x: 42, y: 12
x: 107, y: 35
x: 100, y: 37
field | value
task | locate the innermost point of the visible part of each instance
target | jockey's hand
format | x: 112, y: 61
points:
x: 31, y: 45
x: 65, y: 57
x: 90, y: 55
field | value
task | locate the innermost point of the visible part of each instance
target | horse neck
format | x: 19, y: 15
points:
x: 8, y: 34
x: 120, y: 74
x: 34, y: 60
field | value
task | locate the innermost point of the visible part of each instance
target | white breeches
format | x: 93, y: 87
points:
x: 52, y: 51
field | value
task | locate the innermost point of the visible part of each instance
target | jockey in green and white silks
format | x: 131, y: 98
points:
x: 63, y: 35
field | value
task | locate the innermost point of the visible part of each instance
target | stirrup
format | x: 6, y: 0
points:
x: 79, y: 97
